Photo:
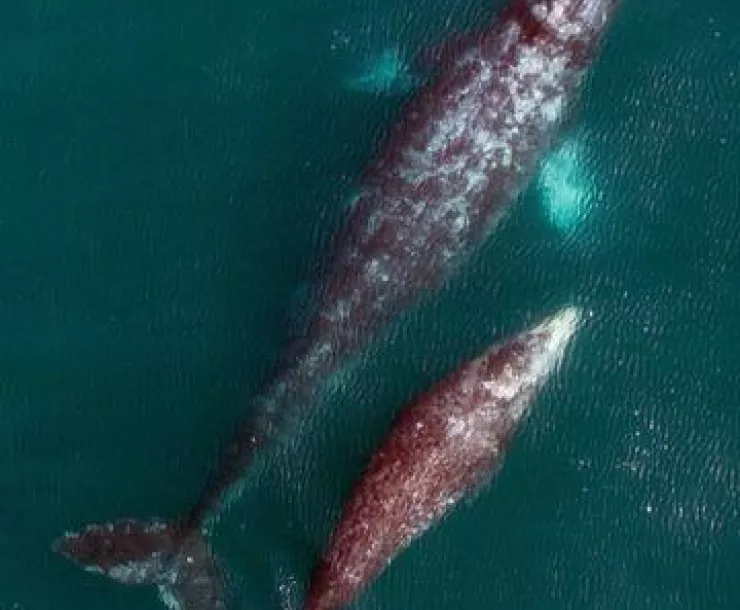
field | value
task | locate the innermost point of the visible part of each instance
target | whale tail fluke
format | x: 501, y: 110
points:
x: 178, y: 561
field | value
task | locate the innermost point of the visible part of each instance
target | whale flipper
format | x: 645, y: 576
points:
x: 154, y: 553
x: 385, y: 73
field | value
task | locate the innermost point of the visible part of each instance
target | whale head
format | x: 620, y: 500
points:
x: 573, y: 21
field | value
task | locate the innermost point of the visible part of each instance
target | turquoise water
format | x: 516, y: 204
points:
x: 170, y: 176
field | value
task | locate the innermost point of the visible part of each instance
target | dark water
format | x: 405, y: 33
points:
x: 170, y: 174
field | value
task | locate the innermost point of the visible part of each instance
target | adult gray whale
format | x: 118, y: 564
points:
x: 465, y: 147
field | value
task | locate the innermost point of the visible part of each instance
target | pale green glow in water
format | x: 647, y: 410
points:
x: 386, y: 72
x: 566, y: 187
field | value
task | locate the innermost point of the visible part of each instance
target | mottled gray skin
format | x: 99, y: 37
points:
x: 133, y: 553
x: 446, y: 444
x: 463, y: 149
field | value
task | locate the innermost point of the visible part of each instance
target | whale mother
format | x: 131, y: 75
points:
x: 464, y: 147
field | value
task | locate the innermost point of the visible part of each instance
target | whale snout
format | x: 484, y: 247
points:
x: 573, y: 19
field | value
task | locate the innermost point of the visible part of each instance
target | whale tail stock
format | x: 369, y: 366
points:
x: 173, y: 556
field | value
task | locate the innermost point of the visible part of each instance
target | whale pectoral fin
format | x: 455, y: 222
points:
x: 386, y: 73
x: 154, y: 553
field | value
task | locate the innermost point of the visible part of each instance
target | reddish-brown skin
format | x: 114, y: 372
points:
x: 462, y: 150
x: 465, y: 146
x: 447, y: 443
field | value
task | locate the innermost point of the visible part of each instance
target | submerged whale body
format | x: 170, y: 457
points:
x: 447, y: 443
x: 465, y: 146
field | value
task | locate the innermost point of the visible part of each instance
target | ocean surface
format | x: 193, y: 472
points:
x: 170, y: 174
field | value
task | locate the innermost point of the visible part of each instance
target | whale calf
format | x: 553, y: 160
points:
x: 464, y: 147
x: 445, y: 445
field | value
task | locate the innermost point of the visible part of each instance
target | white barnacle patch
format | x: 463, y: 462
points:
x: 558, y: 18
x: 534, y: 84
x: 486, y: 71
x: 136, y: 571
x: 448, y: 129
x: 375, y: 269
x: 318, y: 354
x: 373, y: 222
x: 482, y: 139
x: 552, y: 108
x: 506, y: 156
x: 371, y: 267
x: 491, y: 149
x: 539, y: 11
x: 531, y: 61
x: 476, y: 181
x: 456, y: 426
x: 509, y: 381
x: 456, y: 211
x: 504, y: 388
x: 459, y: 223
